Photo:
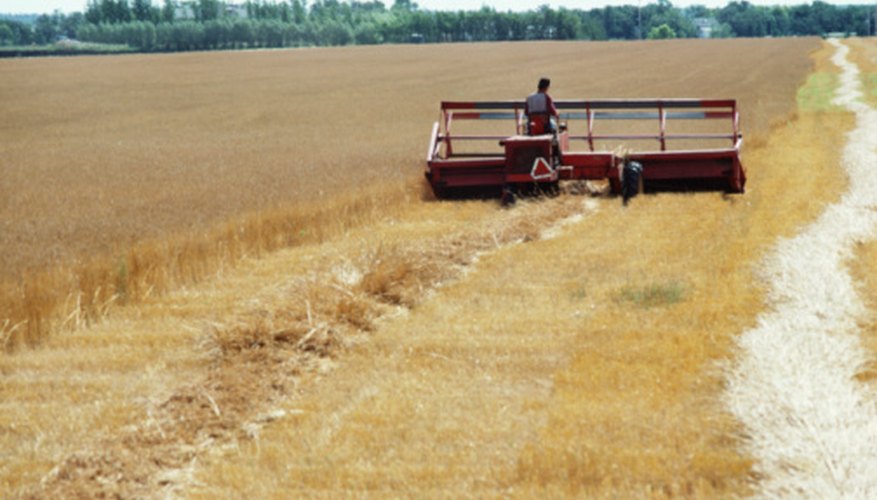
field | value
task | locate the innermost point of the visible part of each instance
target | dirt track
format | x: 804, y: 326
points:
x: 812, y: 424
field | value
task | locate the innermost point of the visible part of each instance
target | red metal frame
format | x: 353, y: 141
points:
x: 710, y: 168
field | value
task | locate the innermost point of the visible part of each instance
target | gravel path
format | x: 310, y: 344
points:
x: 811, y: 426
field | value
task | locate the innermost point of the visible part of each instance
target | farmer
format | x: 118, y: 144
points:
x: 540, y: 110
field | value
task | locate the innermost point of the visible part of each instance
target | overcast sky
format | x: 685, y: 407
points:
x: 67, y: 6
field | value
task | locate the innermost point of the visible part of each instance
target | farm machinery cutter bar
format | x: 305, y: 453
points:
x: 527, y: 161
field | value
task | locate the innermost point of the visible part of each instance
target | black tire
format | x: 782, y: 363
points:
x: 630, y: 183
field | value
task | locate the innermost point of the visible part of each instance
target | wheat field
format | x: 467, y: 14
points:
x: 120, y: 174
x: 385, y: 345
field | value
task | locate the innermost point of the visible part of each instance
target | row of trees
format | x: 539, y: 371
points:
x: 214, y: 24
x: 123, y: 11
x: 223, y: 34
x: 45, y: 29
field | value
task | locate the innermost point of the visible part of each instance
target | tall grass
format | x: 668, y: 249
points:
x: 75, y: 296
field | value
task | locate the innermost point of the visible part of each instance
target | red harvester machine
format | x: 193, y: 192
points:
x: 699, y: 160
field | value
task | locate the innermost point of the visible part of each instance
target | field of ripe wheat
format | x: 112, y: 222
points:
x: 339, y: 335
x: 121, y: 174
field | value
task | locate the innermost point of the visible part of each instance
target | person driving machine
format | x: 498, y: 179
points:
x: 540, y: 110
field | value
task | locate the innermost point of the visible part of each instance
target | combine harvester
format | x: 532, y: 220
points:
x: 528, y: 160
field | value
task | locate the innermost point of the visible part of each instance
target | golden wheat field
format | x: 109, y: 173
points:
x: 231, y: 284
x: 102, y: 154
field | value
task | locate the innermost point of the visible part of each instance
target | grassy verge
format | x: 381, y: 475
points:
x: 64, y: 49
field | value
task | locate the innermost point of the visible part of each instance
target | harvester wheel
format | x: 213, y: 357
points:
x: 508, y: 195
x: 631, y: 182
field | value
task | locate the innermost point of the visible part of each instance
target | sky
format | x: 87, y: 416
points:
x: 67, y: 6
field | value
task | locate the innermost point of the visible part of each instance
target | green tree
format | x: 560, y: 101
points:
x: 620, y: 22
x: 299, y: 13
x: 591, y: 28
x: 207, y: 10
x: 242, y: 33
x: 45, y: 30
x: 404, y: 5
x: 780, y: 23
x: 335, y: 33
x: 654, y: 15
x: 123, y: 11
x: 745, y: 19
x: 217, y: 33
x: 366, y: 33
x: 269, y: 33
x: 167, y: 11
x: 661, y: 32
x: 568, y: 25
x: 69, y: 25
x: 145, y: 36
x: 140, y: 10
x: 723, y: 30
x: 294, y: 34
x: 7, y: 36
x: 93, y: 12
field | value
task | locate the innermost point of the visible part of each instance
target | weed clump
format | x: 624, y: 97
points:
x: 652, y: 295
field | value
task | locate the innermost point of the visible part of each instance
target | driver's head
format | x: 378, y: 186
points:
x: 544, y: 83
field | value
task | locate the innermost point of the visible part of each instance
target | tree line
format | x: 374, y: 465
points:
x: 215, y: 24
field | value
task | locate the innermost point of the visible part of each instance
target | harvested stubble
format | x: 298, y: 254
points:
x: 527, y: 379
x: 864, y: 54
x: 100, y: 153
x: 632, y: 409
x: 635, y: 411
x: 287, y: 332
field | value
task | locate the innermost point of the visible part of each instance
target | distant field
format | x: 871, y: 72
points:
x: 102, y: 153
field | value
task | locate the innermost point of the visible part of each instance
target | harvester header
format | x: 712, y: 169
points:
x: 663, y: 139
